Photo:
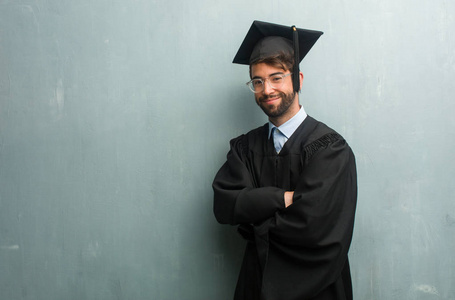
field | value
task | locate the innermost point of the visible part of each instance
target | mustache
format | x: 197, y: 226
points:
x: 266, y: 97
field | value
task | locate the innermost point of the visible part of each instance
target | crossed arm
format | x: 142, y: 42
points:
x: 238, y: 201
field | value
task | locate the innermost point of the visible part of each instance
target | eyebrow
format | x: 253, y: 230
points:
x: 276, y: 73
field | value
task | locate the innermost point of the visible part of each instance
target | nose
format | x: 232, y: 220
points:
x: 268, y: 89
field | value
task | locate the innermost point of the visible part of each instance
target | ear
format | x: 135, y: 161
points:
x: 301, y: 80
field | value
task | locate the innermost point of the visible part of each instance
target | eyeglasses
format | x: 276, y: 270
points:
x: 275, y: 81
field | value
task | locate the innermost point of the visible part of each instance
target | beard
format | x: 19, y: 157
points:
x: 270, y: 110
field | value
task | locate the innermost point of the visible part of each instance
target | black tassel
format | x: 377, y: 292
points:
x: 296, y: 73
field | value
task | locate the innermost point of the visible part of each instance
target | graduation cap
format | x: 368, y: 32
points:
x: 266, y: 39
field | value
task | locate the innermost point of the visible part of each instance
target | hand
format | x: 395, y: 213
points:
x: 288, y: 198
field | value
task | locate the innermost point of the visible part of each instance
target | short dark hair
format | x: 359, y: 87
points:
x: 281, y: 60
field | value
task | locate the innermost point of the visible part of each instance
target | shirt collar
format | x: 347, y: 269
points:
x: 291, y: 125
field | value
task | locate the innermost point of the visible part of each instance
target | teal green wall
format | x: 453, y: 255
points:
x: 115, y: 116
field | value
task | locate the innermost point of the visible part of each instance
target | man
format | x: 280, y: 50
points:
x: 290, y: 185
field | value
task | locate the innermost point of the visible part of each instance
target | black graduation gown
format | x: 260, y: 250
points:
x: 299, y: 252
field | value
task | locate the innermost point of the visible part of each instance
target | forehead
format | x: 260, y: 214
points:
x: 265, y: 70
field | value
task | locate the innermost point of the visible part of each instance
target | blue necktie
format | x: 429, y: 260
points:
x: 278, y: 139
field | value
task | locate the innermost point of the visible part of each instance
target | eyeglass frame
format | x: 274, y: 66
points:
x: 263, y: 80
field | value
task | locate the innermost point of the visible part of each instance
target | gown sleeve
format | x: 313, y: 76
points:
x: 303, y: 248
x: 237, y: 199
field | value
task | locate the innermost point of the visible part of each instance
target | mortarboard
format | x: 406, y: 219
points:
x: 267, y: 39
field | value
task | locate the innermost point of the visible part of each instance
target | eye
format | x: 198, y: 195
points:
x: 257, y: 82
x: 276, y: 78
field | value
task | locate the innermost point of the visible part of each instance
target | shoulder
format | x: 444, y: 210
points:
x: 323, y: 137
x: 254, y: 136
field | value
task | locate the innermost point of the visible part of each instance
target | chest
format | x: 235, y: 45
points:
x: 282, y: 171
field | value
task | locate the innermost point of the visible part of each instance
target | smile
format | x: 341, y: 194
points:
x: 272, y: 99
